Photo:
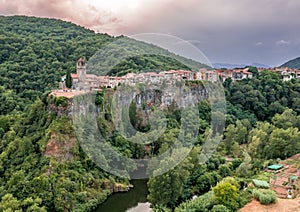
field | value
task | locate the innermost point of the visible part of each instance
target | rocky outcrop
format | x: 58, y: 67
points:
x: 60, y: 146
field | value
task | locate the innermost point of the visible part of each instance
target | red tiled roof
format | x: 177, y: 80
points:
x: 91, y: 76
x: 74, y: 76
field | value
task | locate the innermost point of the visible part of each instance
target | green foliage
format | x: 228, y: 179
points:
x: 165, y: 190
x: 68, y: 80
x: 245, y: 169
x: 61, y: 101
x: 146, y: 63
x: 264, y: 95
x: 277, y: 140
x: 10, y: 203
x: 224, y: 171
x: 65, y: 180
x: 287, y: 119
x: 265, y: 197
x: 261, y: 184
x: 9, y: 101
x: 226, y: 193
x: 219, y: 208
x: 235, y: 135
x: 236, y: 163
x: 203, y: 203
x: 254, y: 71
x: 37, y: 51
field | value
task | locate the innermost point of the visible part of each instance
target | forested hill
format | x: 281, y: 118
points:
x: 295, y: 63
x: 35, y: 52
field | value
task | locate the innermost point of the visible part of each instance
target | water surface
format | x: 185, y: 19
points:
x: 134, y: 200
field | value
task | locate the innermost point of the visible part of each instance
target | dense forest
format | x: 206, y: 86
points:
x: 43, y: 167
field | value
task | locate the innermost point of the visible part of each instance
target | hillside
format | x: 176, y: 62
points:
x: 295, y: 63
x: 35, y: 52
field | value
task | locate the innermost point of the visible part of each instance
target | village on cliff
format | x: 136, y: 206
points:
x: 83, y: 82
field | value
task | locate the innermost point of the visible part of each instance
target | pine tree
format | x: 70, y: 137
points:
x: 68, y: 80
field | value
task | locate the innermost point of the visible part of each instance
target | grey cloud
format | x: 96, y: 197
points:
x: 259, y: 44
x: 70, y: 10
x: 283, y: 42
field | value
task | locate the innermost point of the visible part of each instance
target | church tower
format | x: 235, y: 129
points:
x: 81, y: 72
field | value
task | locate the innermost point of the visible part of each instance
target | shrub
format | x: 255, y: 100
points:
x: 265, y: 197
x: 61, y: 101
x: 203, y: 203
x: 219, y: 208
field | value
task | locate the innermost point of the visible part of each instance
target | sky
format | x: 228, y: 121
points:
x: 226, y: 31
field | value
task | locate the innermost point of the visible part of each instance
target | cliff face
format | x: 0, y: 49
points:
x: 180, y: 96
x: 61, y: 146
x: 144, y: 99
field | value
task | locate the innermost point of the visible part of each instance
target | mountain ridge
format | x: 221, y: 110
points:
x: 293, y: 63
x: 232, y: 66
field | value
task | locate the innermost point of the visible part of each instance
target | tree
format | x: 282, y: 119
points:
x: 226, y: 193
x: 224, y: 170
x: 229, y: 138
x: 9, y: 203
x: 254, y: 71
x: 259, y: 140
x: 235, y: 135
x: 203, y: 203
x: 284, y: 143
x: 245, y: 169
x: 164, y: 190
x: 69, y: 80
x: 287, y: 119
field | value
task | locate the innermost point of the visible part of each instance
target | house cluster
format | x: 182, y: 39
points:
x: 83, y: 81
x: 287, y: 73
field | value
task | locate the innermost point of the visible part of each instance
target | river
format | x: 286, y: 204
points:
x: 134, y: 200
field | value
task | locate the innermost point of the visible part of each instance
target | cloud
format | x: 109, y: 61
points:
x: 259, y: 44
x: 76, y: 11
x: 283, y: 42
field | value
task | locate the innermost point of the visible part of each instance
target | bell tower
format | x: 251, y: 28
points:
x: 81, y: 72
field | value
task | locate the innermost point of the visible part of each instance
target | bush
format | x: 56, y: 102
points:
x: 219, y: 208
x: 61, y: 101
x: 203, y: 203
x: 265, y: 197
x: 236, y: 163
x: 245, y: 197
